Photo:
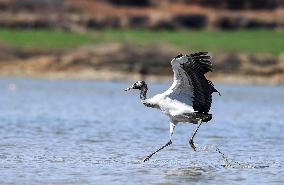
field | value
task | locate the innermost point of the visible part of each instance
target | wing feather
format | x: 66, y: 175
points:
x: 197, y: 66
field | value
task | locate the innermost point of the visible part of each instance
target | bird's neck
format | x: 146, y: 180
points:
x: 143, y: 92
x: 144, y: 100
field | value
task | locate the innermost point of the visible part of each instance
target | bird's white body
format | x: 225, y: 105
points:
x: 171, y: 106
x: 177, y: 101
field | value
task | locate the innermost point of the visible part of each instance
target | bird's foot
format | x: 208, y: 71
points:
x: 147, y: 158
x: 192, y: 144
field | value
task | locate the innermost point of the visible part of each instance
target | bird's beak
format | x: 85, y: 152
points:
x: 129, y: 88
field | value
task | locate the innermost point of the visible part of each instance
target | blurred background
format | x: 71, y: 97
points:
x: 125, y: 39
x: 65, y: 119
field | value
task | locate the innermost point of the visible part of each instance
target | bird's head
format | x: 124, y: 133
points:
x: 179, y: 59
x: 137, y: 85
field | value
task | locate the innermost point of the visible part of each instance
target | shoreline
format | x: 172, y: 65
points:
x: 105, y: 75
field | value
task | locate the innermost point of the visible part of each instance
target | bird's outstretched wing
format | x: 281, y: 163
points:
x: 197, y: 65
x: 190, y: 86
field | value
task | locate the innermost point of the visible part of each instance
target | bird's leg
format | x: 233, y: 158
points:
x: 191, y: 139
x: 172, y: 127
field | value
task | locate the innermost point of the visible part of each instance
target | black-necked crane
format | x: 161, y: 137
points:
x: 188, y: 99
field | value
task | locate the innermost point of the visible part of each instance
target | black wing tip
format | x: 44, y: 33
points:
x: 199, y: 53
x: 214, y: 89
x: 201, y: 56
x: 203, y: 60
x: 218, y: 92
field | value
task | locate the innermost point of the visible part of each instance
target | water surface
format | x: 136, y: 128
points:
x: 92, y: 132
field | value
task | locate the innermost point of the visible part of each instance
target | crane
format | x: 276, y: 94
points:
x: 189, y: 97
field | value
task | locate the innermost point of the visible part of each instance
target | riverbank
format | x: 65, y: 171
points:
x: 121, y: 61
x: 118, y: 76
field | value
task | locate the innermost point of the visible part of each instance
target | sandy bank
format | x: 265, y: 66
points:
x: 120, y: 61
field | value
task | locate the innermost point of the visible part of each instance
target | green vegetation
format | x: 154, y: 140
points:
x: 43, y: 39
x: 250, y: 41
x: 254, y: 41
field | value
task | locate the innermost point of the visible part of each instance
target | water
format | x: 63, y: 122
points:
x: 92, y: 132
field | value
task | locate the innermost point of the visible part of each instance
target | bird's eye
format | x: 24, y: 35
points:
x: 180, y: 55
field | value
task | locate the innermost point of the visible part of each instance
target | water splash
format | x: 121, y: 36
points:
x: 228, y: 162
x: 231, y: 163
